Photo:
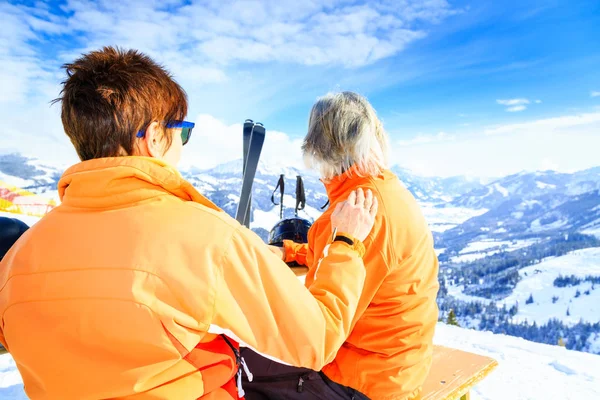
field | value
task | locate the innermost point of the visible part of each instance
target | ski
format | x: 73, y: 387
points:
x: 252, y: 156
x: 247, y: 134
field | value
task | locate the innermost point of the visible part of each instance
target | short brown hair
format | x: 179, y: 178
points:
x: 111, y: 94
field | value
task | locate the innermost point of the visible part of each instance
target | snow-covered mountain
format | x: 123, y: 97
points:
x: 516, y: 218
x: 434, y: 189
x: 30, y: 174
x: 528, y: 186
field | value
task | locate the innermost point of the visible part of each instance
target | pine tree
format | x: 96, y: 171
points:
x: 452, y: 319
x: 529, y: 299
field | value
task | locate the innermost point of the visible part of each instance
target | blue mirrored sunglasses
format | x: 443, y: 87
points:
x: 186, y: 130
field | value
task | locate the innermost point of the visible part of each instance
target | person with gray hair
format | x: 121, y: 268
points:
x: 388, y: 352
x: 343, y: 130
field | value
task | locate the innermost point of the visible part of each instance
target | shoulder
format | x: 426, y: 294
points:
x: 400, y: 217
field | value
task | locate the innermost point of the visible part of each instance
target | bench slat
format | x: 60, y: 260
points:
x: 454, y: 372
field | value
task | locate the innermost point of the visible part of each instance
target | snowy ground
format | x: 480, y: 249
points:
x: 443, y: 218
x: 13, y: 180
x: 483, y: 248
x: 526, y: 371
x: 537, y: 280
x: 592, y: 231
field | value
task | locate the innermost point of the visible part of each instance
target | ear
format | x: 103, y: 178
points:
x: 154, y: 140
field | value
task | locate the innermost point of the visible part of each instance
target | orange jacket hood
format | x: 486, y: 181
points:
x: 113, y: 182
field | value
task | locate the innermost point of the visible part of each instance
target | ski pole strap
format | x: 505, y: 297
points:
x: 281, y: 187
x: 300, y: 195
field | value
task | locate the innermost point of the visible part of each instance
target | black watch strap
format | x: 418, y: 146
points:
x: 344, y: 239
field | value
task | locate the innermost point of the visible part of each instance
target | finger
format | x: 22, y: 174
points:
x: 360, y: 197
x: 352, y: 198
x: 374, y: 207
x: 338, y: 207
x: 368, y: 199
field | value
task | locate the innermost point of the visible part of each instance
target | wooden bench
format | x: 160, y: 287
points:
x: 453, y: 372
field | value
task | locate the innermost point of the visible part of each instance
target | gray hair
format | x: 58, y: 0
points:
x: 343, y: 130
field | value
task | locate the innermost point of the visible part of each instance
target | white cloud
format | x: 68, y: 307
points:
x: 594, y: 94
x: 512, y: 102
x: 423, y: 139
x: 564, y: 143
x: 548, y: 164
x: 514, y: 105
x: 547, y: 125
x: 538, y: 101
x: 232, y: 57
x: 334, y: 32
x: 22, y: 70
x: 214, y: 142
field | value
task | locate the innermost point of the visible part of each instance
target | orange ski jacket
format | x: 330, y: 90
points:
x: 388, y: 353
x: 123, y: 291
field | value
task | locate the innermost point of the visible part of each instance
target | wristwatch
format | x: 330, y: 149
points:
x: 349, y: 240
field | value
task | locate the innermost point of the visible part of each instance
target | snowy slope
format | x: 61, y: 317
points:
x: 526, y: 371
x: 537, y: 280
x: 487, y: 247
x: 441, y: 219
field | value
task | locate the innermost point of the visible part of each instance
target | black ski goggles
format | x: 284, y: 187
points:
x: 186, y: 130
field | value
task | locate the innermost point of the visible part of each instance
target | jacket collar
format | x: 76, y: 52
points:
x: 117, y: 181
x: 339, y: 185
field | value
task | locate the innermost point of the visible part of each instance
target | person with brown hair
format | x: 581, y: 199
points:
x: 138, y: 287
x: 387, y: 354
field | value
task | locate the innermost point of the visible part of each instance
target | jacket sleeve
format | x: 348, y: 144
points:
x: 297, y: 252
x: 264, y: 306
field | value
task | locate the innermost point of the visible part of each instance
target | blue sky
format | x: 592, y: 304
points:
x: 482, y: 88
